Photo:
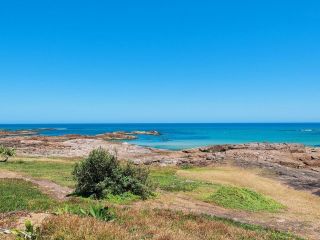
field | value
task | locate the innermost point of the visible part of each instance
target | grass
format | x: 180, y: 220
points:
x: 244, y: 199
x: 225, y: 196
x: 300, y: 205
x: 56, y: 171
x: 130, y: 223
x: 125, y: 198
x: 271, y: 234
x: 153, y: 224
x: 17, y: 195
x: 166, y: 179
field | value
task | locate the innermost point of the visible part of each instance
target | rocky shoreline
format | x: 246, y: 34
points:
x: 294, y: 164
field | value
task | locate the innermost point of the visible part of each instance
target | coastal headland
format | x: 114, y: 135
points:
x: 274, y: 186
x: 295, y: 164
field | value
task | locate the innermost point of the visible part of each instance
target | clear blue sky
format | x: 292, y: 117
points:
x: 159, y: 61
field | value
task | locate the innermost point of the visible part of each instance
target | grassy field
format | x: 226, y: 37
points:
x: 167, y: 179
x: 127, y: 223
x: 223, y: 195
x: 51, y: 169
x: 226, y: 187
x: 298, y: 204
x: 153, y: 224
x: 17, y: 195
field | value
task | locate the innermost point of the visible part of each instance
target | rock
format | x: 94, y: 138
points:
x: 6, y: 133
x: 116, y: 136
x: 155, y: 133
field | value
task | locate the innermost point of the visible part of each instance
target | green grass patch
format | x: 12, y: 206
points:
x: 17, y: 195
x: 244, y: 199
x: 59, y: 172
x: 124, y: 198
x: 166, y: 179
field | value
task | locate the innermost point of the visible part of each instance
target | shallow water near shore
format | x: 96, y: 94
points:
x: 181, y: 136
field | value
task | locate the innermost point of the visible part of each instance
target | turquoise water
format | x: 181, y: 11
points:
x: 180, y: 136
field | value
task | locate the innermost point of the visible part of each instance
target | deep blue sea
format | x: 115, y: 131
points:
x: 181, y: 136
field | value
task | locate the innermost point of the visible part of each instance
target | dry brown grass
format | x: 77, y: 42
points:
x: 46, y: 159
x: 145, y: 224
x: 8, y: 221
x: 7, y: 237
x: 301, y: 204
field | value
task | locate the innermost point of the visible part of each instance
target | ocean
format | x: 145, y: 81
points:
x: 180, y: 136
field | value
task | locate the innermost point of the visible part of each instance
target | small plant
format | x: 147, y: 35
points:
x: 96, y: 211
x: 30, y: 232
x: 102, y: 174
x: 186, y: 166
x: 6, y: 152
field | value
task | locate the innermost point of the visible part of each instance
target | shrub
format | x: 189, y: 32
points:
x: 30, y: 233
x: 102, y: 174
x: 6, y: 152
x: 96, y: 211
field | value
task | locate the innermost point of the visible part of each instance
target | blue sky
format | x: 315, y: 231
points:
x: 159, y: 61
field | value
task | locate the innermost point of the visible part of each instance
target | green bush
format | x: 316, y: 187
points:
x: 102, y: 174
x: 6, y: 152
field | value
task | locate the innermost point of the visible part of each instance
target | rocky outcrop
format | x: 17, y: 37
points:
x: 23, y: 136
x: 293, y: 155
x: 125, y: 135
x: 6, y: 133
x: 294, y: 164
x: 153, y: 132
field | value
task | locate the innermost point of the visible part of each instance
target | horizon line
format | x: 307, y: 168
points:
x: 43, y: 123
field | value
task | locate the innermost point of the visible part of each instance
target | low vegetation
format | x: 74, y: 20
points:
x: 102, y: 174
x: 124, y: 198
x: 98, y: 215
x: 166, y: 179
x: 244, y: 199
x: 223, y: 195
x: 132, y: 224
x: 59, y: 172
x: 96, y: 211
x: 5, y: 153
x: 17, y: 195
